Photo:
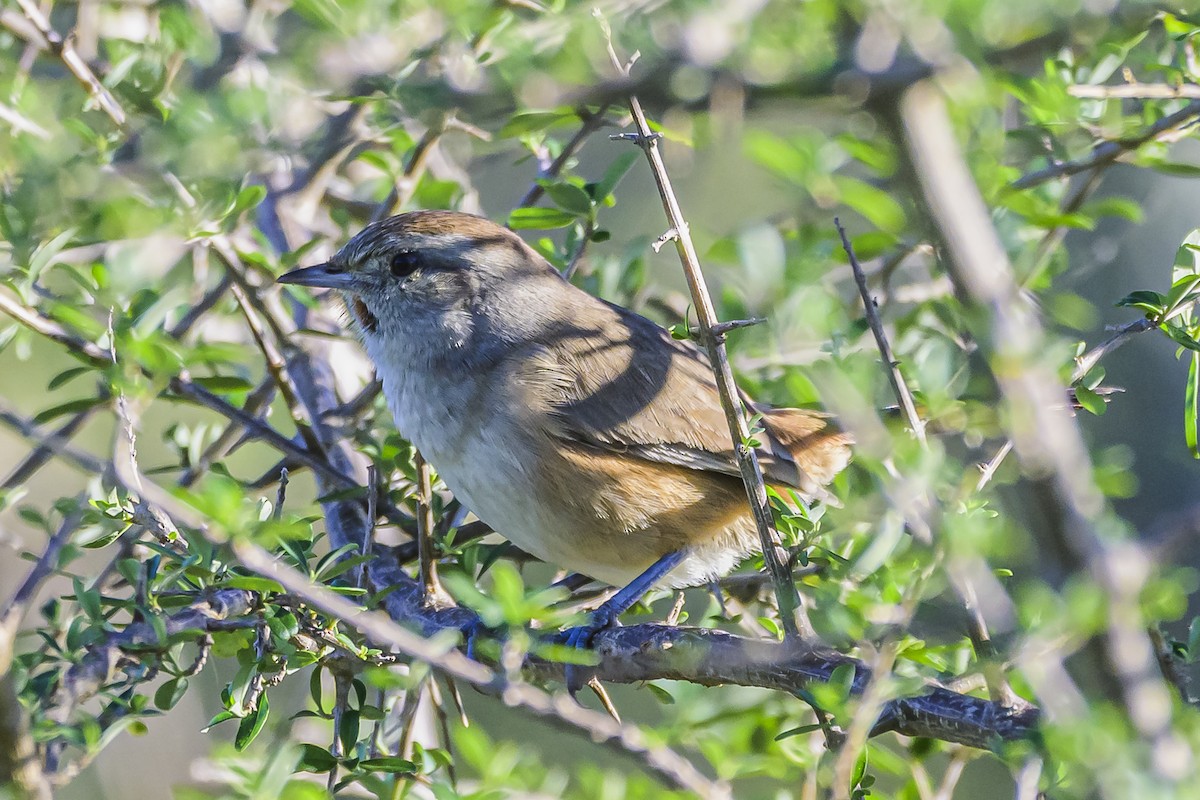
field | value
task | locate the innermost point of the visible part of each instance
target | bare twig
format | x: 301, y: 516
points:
x: 1136, y: 91
x: 1085, y: 363
x: 256, y: 401
x: 184, y: 386
x: 1167, y: 663
x: 21, y: 124
x: 919, y: 515
x: 281, y: 495
x: 1110, y: 151
x: 988, y: 471
x: 602, y: 695
x: 51, y: 443
x: 576, y: 258
x: 1053, y: 238
x: 64, y: 49
x: 277, y: 368
x: 202, y: 307
x: 406, y: 182
x: 20, y: 770
x: 213, y: 611
x: 52, y: 330
x: 26, y: 593
x: 899, y: 386
x: 431, y: 588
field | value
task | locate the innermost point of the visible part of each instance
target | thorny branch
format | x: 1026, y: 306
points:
x: 791, y: 610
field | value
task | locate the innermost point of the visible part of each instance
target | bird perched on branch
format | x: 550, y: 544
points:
x: 579, y: 430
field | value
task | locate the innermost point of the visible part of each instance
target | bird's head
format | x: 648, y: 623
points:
x: 434, y: 276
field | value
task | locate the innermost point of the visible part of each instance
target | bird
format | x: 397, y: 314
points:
x: 579, y: 430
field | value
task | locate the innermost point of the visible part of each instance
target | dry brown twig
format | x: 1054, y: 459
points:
x: 64, y: 49
x: 791, y: 610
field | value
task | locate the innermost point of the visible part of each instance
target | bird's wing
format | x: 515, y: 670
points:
x: 619, y: 382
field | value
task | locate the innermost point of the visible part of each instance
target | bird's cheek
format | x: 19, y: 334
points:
x: 366, y: 320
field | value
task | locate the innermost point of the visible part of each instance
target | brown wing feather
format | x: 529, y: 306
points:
x: 617, y: 381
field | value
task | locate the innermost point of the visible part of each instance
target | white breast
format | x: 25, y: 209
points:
x: 483, y: 453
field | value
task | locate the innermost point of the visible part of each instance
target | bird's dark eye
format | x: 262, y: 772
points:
x: 405, y: 263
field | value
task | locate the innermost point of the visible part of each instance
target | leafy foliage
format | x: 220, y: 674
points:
x: 137, y: 260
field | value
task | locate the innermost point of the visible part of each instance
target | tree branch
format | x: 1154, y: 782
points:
x: 1110, y: 151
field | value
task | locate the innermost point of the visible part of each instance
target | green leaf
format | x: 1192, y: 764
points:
x: 1115, y: 207
x: 1150, y: 302
x: 873, y: 203
x: 612, y: 176
x: 170, y: 693
x: 860, y: 768
x: 1181, y: 337
x: 248, y: 198
x: 660, y: 694
x: 69, y: 407
x: 66, y: 375
x: 223, y: 716
x: 1183, y: 285
x: 570, y: 198
x: 539, y: 218
x: 842, y: 678
x: 252, y: 724
x: 252, y: 583
x: 534, y: 121
x: 315, y: 759
x: 1193, y: 640
x: 790, y: 732
x: 46, y: 253
x: 348, y: 731
x: 102, y: 541
x: 1190, y: 409
x: 778, y: 155
x: 1176, y: 168
x: 89, y: 601
x: 390, y: 764
x: 223, y: 384
x: 1090, y: 401
x: 879, y: 158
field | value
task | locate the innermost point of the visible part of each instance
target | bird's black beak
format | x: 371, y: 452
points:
x: 322, y: 275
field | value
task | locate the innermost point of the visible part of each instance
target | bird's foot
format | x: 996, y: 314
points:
x: 472, y: 632
x: 580, y: 638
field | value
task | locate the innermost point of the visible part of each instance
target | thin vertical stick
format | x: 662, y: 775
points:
x: 899, y: 386
x: 774, y: 557
x: 431, y: 588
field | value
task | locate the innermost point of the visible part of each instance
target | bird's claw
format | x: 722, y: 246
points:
x: 472, y: 632
x: 580, y: 638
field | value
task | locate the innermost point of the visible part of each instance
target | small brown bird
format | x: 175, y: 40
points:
x: 579, y: 430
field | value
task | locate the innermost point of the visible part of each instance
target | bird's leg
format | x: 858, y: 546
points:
x: 607, y: 614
